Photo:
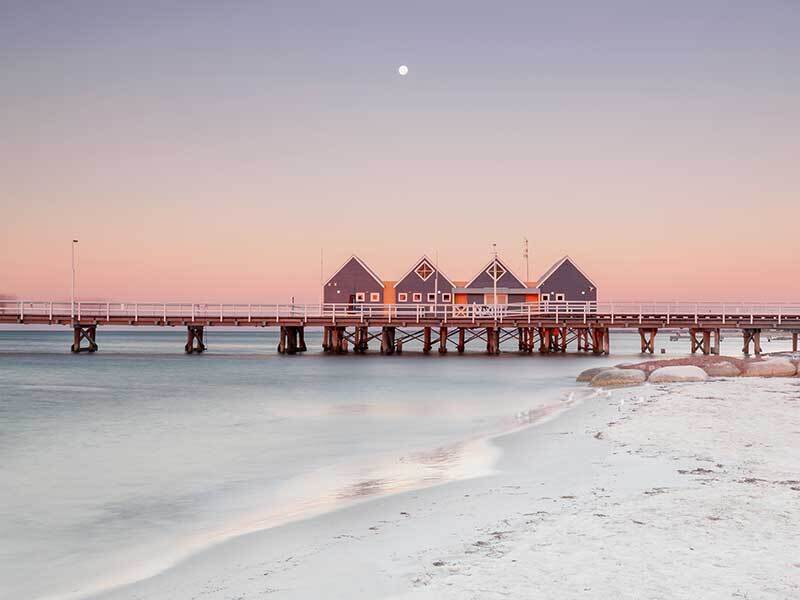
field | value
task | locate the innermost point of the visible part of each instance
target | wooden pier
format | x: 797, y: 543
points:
x: 541, y: 327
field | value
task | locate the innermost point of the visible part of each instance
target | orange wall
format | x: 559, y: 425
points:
x: 389, y: 293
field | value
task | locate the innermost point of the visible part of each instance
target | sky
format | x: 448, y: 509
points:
x: 226, y: 151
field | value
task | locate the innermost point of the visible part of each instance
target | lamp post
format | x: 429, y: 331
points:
x: 72, y: 289
x: 494, y: 276
x: 436, y: 286
x: 527, y: 261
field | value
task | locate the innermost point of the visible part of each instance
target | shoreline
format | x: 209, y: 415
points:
x: 494, y: 442
x: 456, y: 539
x: 478, y: 457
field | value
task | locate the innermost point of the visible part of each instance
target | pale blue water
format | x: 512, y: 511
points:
x: 116, y: 465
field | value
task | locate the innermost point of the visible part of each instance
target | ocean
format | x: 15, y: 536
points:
x: 119, y: 464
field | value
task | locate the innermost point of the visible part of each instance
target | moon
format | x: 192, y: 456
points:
x: 403, y: 70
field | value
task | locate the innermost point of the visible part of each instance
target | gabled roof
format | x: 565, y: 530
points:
x: 363, y: 265
x: 557, y: 266
x: 502, y: 264
x: 413, y: 268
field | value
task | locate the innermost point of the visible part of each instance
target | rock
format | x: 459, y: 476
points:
x: 722, y: 369
x: 677, y: 374
x: 589, y: 374
x: 618, y: 378
x: 773, y: 367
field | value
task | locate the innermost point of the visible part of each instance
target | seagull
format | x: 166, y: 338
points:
x: 621, y: 404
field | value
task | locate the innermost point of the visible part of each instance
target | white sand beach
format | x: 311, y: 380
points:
x: 658, y: 491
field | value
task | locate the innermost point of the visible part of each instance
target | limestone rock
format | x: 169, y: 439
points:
x: 589, y: 374
x: 677, y: 374
x: 772, y: 367
x: 722, y: 369
x: 618, y: 378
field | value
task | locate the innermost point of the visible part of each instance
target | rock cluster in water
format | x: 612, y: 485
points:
x: 678, y: 370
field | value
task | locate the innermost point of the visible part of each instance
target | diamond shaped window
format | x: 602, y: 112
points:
x: 496, y: 271
x: 424, y: 271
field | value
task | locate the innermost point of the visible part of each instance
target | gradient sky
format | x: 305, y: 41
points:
x: 209, y: 150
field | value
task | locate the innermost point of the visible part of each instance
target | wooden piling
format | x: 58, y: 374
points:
x: 647, y: 337
x: 387, y: 340
x: 706, y: 342
x: 194, y: 339
x: 461, y: 345
x: 544, y: 340
x: 301, y: 343
x: 701, y: 340
x: 282, y: 341
x: 492, y: 340
x: 600, y: 340
x: 361, y: 343
x: 530, y: 340
x: 794, y: 341
x: 331, y: 339
x: 717, y: 337
x: 338, y: 341
x: 289, y: 338
x: 442, y: 340
x: 84, y: 332
x: 326, y: 339
x: 754, y: 336
x: 426, y: 343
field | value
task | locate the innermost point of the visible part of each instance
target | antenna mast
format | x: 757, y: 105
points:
x: 527, y: 260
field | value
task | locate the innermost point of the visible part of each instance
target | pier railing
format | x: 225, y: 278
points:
x: 134, y: 312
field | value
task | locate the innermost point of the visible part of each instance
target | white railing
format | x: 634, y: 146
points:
x: 209, y: 311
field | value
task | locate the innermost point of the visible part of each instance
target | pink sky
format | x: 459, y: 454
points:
x: 213, y: 161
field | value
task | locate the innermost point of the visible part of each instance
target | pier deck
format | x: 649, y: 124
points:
x: 548, y: 324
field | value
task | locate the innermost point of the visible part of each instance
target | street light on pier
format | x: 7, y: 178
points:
x: 494, y: 275
x: 72, y: 289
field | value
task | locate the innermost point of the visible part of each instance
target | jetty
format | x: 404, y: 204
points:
x: 541, y: 327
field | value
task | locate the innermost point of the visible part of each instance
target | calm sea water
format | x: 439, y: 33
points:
x: 118, y: 464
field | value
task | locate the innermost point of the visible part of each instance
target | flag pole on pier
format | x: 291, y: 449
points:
x: 494, y: 275
x: 436, y: 284
x: 72, y: 287
x: 527, y: 260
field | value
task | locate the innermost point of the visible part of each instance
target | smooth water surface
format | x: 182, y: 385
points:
x: 118, y: 464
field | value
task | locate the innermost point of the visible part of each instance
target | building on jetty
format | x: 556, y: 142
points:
x: 566, y: 281
x: 495, y: 283
x: 424, y: 283
x: 354, y: 282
